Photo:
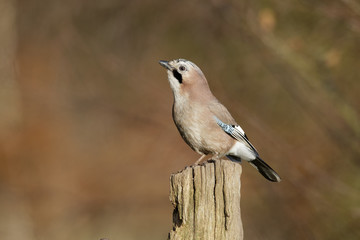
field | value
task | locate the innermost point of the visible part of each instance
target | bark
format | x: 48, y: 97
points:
x: 206, y: 200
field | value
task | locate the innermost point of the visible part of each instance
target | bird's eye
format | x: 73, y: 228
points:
x: 182, y: 68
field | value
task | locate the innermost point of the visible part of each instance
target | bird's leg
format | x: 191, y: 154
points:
x: 199, y: 160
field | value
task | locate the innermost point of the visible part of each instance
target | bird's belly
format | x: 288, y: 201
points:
x: 191, y: 136
x: 199, y: 130
x: 205, y: 140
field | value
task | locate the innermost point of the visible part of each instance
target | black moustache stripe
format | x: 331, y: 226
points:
x: 177, y: 75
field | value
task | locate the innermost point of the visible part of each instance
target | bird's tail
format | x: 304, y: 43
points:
x: 265, y: 170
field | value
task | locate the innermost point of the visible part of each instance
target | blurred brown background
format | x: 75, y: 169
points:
x: 87, y: 139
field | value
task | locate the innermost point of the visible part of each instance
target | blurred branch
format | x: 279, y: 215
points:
x: 308, y: 88
x: 353, y: 5
x: 9, y: 94
x: 304, y: 82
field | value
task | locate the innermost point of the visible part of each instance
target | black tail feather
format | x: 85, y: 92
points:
x: 265, y: 170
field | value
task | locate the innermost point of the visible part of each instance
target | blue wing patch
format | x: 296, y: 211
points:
x: 235, y: 133
x: 227, y: 128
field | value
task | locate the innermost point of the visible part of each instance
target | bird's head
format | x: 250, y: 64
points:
x: 185, y: 77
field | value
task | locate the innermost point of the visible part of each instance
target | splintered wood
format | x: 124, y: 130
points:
x: 206, y: 200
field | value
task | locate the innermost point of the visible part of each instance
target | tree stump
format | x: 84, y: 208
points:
x: 206, y: 200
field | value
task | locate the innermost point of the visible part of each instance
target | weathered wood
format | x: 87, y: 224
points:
x: 206, y: 200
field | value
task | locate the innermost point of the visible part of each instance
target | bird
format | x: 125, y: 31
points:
x: 204, y: 123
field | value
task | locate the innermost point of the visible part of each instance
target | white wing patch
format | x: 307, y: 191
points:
x: 240, y: 129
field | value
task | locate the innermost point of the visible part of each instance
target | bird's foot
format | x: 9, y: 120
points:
x: 199, y: 160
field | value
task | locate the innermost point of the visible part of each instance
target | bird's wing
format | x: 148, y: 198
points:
x: 224, y: 119
x: 220, y: 111
x: 236, y: 132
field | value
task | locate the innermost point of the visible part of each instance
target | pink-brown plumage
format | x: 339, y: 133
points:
x: 204, y: 123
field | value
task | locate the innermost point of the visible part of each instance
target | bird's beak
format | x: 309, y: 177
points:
x: 165, y: 64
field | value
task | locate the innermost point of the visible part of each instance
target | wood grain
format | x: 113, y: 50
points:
x: 206, y: 200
